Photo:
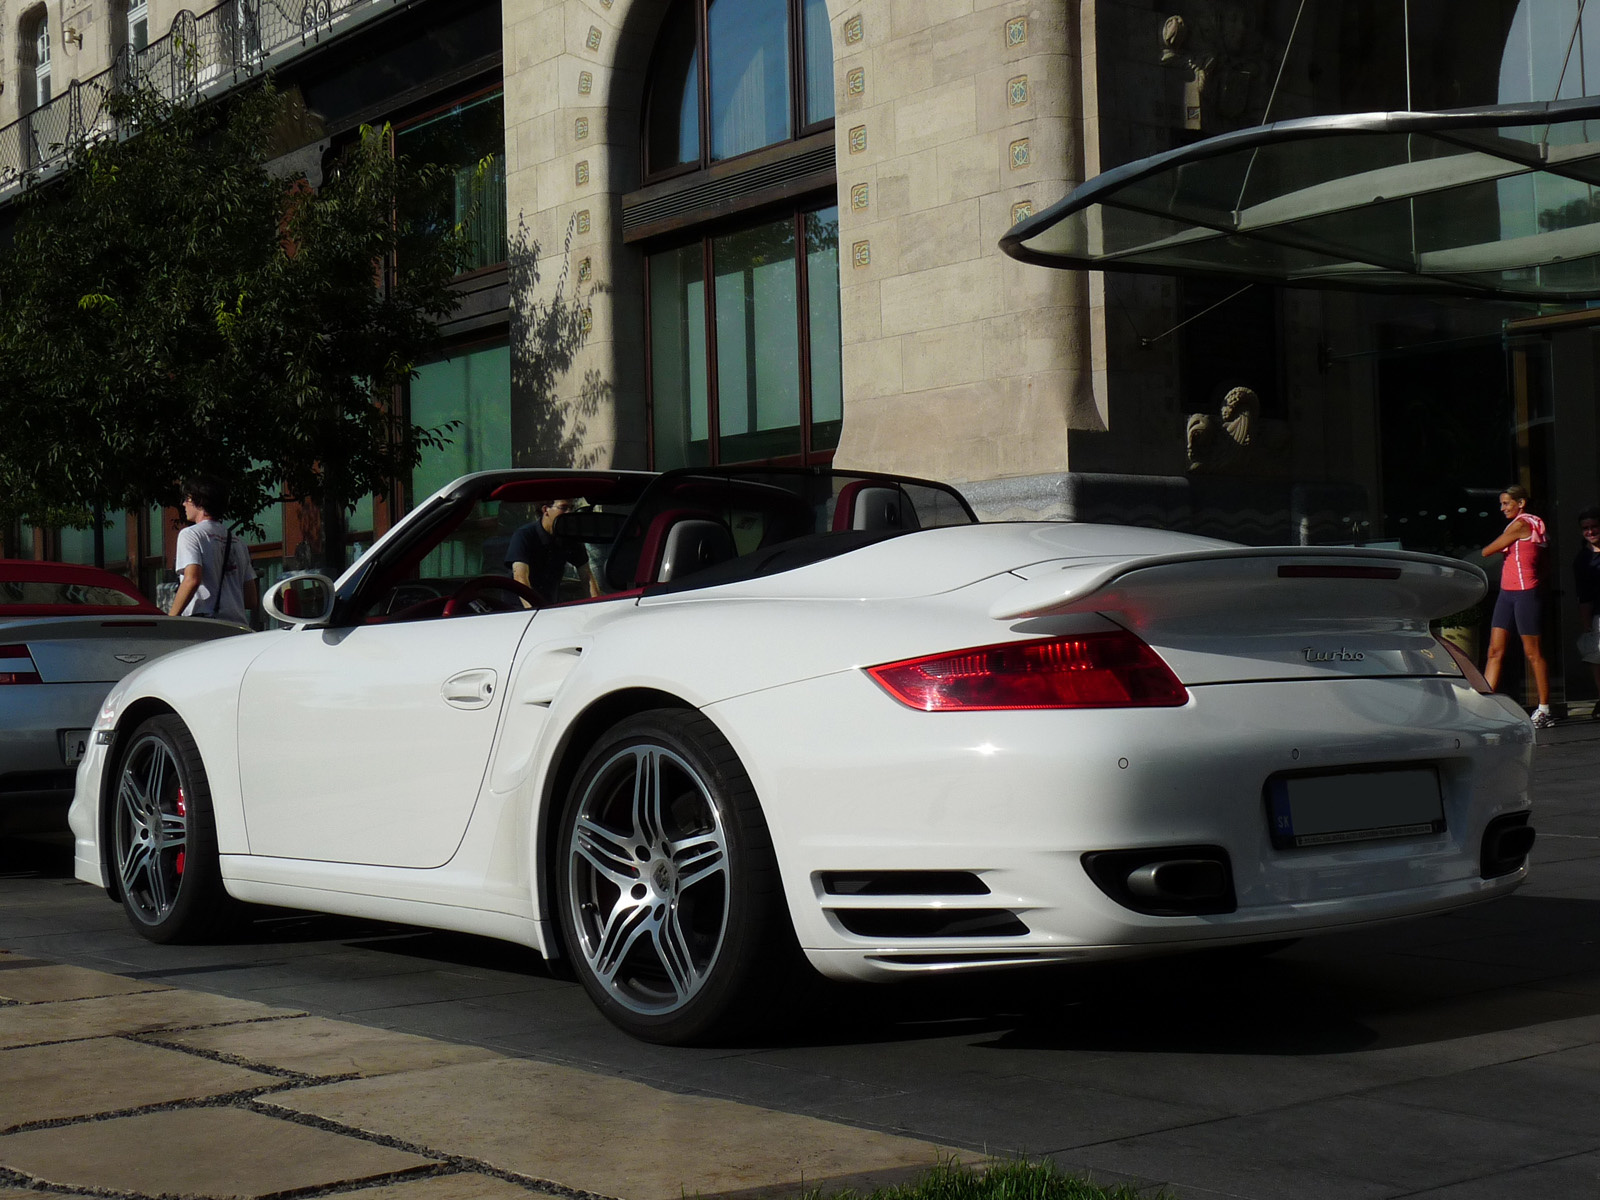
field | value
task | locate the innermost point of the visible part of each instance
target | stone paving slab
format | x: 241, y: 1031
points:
x: 464, y: 1185
x: 103, y: 1075
x: 318, y: 1046
x: 213, y: 1152
x: 32, y: 982
x: 31, y: 1024
x: 611, y: 1136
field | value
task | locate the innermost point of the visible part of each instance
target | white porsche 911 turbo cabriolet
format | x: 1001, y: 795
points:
x: 815, y: 716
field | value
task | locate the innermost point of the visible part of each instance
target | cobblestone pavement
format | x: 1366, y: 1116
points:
x: 1453, y: 1058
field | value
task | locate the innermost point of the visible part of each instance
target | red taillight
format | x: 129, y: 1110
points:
x: 1087, y: 670
x: 1468, y: 667
x: 16, y: 665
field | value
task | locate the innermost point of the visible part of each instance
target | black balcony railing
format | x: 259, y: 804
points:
x: 219, y: 48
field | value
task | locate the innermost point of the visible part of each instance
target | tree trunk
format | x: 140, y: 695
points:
x: 335, y: 523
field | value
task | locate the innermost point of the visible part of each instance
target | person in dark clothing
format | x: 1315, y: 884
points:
x: 1586, y: 578
x: 538, y: 558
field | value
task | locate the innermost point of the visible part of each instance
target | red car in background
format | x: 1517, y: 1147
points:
x: 67, y: 633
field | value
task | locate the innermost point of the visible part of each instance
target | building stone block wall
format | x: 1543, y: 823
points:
x: 955, y: 118
x: 574, y: 77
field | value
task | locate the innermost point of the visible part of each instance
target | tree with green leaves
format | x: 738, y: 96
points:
x: 171, y: 306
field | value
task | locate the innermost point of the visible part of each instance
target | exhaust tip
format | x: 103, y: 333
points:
x: 1506, y: 842
x: 1170, y: 881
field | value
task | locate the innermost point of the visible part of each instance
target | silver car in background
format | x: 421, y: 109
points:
x: 67, y: 633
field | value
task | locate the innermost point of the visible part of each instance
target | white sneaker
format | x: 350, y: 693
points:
x: 1542, y: 720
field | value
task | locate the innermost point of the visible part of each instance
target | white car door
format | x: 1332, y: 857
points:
x: 368, y: 744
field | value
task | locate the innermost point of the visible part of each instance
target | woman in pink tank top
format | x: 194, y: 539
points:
x: 1523, y: 544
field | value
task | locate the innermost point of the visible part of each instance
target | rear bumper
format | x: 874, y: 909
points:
x: 1016, y: 799
x: 36, y: 784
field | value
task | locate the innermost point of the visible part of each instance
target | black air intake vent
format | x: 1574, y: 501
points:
x: 903, y: 883
x: 930, y: 923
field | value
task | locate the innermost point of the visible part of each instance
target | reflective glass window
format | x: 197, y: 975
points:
x: 749, y: 71
x: 773, y: 338
x: 469, y: 141
x: 673, y: 133
x: 678, y: 380
x: 819, y: 62
x: 474, y: 389
x: 764, y: 66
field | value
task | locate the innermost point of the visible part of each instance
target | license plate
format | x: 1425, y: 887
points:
x: 74, y: 742
x: 1354, y: 806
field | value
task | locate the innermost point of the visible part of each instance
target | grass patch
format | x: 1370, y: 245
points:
x: 1012, y: 1179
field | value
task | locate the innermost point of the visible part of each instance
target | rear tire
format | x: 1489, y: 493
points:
x: 164, y: 839
x: 667, y: 885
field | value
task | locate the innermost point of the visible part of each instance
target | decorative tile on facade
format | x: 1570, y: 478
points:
x: 583, y: 220
x: 1017, y: 31
x: 1021, y: 211
x: 586, y: 267
x: 580, y: 128
x: 858, y: 139
x: 585, y: 321
x: 580, y: 173
x: 853, y: 31
x: 1017, y: 91
x: 585, y: 83
x: 1020, y: 154
x: 860, y: 196
x: 593, y: 40
x: 861, y: 254
x: 855, y: 81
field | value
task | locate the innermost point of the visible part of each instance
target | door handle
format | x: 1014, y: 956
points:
x: 470, y: 689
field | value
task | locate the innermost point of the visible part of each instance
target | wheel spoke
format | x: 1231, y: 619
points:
x: 672, y: 948
x: 174, y: 830
x: 647, y: 797
x: 611, y: 854
x: 698, y: 858
x: 627, y: 921
x: 132, y: 803
x: 156, y: 777
x: 135, y: 862
x: 159, y: 898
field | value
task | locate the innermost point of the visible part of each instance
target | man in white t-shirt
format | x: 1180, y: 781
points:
x: 215, y: 578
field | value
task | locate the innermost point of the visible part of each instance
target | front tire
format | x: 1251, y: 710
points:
x: 164, y: 840
x: 668, y: 887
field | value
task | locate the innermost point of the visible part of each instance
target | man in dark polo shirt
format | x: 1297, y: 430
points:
x: 538, y: 558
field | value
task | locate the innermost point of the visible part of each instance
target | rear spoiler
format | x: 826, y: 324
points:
x: 1322, y: 583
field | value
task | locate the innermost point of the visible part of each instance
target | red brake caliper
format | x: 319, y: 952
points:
x: 183, y: 811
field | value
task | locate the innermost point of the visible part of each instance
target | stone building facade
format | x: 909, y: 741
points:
x: 799, y: 261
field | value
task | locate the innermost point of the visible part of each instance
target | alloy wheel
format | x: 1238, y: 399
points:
x: 647, y: 877
x: 152, y: 829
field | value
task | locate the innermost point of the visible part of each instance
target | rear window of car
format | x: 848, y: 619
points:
x: 32, y: 592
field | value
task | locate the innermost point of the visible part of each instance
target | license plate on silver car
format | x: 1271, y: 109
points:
x: 1354, y: 806
x: 74, y: 742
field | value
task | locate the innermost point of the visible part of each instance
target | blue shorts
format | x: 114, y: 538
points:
x: 1517, y: 610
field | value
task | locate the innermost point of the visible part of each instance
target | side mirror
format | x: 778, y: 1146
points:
x: 300, y: 600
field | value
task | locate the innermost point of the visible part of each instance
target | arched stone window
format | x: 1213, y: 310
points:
x: 740, y: 227
x: 733, y: 76
x: 34, y: 43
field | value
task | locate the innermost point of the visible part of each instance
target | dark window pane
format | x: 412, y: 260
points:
x: 470, y: 142
x: 678, y: 358
x: 673, y: 136
x: 749, y: 58
x: 819, y: 62
x: 822, y: 286
x: 758, y: 343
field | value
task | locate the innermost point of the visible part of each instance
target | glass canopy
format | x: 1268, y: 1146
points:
x: 1499, y: 201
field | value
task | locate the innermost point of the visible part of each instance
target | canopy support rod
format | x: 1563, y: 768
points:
x: 1266, y: 114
